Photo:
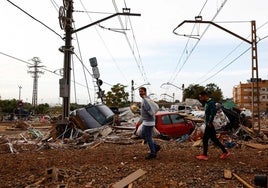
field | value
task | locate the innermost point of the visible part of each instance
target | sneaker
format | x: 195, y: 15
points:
x: 202, y: 157
x: 150, y: 156
x: 157, y: 148
x: 225, y: 155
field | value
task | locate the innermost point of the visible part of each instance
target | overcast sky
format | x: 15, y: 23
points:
x: 146, y: 50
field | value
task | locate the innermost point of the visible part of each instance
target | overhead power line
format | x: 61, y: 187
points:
x: 189, y: 52
x: 55, y: 5
x: 80, y: 53
x: 94, y: 12
x: 105, y: 45
x: 34, y: 18
x: 232, y: 51
x: 227, y: 65
x: 10, y: 56
x: 137, y: 60
x: 53, y: 72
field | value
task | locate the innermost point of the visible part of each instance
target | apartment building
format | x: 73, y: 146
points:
x: 242, y: 95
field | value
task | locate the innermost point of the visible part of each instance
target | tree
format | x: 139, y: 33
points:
x: 42, y: 108
x: 74, y: 106
x: 214, y: 92
x: 194, y: 89
x: 8, y: 106
x: 117, y: 97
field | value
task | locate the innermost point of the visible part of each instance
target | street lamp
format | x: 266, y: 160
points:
x: 168, y: 96
x: 152, y: 96
x: 146, y: 84
x: 180, y: 88
x: 168, y: 83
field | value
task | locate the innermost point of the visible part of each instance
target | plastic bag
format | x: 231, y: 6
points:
x: 139, y: 131
x: 153, y: 105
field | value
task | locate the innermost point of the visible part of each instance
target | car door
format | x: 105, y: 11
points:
x: 165, y: 125
x: 180, y: 127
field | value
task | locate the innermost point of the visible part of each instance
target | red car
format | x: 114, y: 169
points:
x: 172, y: 124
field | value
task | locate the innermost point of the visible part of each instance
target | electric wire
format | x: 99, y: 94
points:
x: 45, y: 69
x: 139, y: 63
x: 93, y: 12
x: 88, y: 70
x: 227, y: 65
x: 145, y: 79
x: 83, y: 64
x: 10, y: 56
x: 202, y: 8
x: 185, y: 50
x: 231, y: 62
x: 220, y: 62
x: 195, y: 45
x: 34, y: 18
x: 105, y: 45
x: 55, y: 5
x: 75, y: 97
x: 80, y: 53
x: 231, y: 52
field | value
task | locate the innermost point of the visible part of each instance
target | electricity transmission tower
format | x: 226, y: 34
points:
x: 35, y: 74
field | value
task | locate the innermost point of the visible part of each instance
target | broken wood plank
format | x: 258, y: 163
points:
x: 257, y: 146
x: 227, y: 174
x: 195, y: 119
x: 247, y: 185
x: 96, y: 145
x: 129, y: 179
x: 106, y: 131
x: 124, y: 128
x: 36, y: 184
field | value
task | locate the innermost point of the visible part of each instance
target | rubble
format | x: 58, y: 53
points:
x: 107, y: 154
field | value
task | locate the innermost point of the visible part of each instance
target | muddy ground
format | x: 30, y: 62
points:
x: 102, y: 164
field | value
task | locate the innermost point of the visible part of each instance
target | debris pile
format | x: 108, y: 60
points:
x: 124, y: 164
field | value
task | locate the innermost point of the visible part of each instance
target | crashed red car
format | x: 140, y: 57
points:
x: 172, y: 124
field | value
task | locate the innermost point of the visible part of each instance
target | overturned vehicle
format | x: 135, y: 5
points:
x: 93, y: 117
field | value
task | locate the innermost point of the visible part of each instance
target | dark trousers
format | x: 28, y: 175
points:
x: 210, y: 133
x: 148, y: 136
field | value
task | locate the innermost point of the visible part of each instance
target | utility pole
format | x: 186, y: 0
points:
x: 66, y: 20
x: 35, y: 74
x: 19, y: 91
x: 255, y: 93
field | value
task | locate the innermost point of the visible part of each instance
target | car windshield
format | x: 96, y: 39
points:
x: 107, y: 112
x: 101, y: 113
x: 94, y: 112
